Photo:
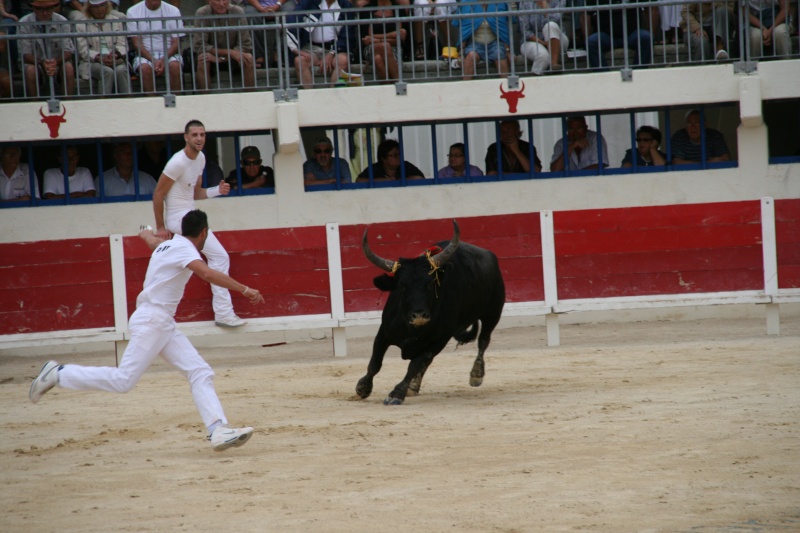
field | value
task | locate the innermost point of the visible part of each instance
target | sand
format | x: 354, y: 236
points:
x: 658, y: 426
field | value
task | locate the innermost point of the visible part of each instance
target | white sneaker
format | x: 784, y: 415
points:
x: 46, y: 380
x: 224, y: 437
x: 722, y: 55
x: 232, y: 321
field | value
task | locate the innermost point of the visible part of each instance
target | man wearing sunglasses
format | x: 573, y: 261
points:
x: 319, y: 169
x: 46, y: 57
x: 254, y: 174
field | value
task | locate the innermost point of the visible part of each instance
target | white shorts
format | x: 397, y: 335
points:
x: 139, y: 60
x: 426, y: 8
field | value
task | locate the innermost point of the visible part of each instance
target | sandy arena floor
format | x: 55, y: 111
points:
x: 674, y: 427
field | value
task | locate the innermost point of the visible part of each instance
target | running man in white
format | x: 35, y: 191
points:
x: 180, y: 184
x: 154, y: 332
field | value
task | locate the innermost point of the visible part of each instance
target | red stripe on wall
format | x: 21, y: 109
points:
x: 787, y: 233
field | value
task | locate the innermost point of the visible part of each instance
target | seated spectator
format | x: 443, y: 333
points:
x: 514, y: 155
x: 73, y: 9
x: 254, y: 175
x: 702, y: 22
x: 769, y: 31
x: 687, y: 143
x: 381, y: 41
x: 542, y: 36
x: 320, y: 168
x: 81, y: 184
x: 103, y: 58
x: 457, y: 164
x: 15, y: 179
x: 582, y: 150
x: 648, y: 140
x: 118, y: 180
x: 152, y: 158
x: 154, y: 58
x: 264, y: 40
x: 605, y: 32
x: 44, y: 61
x: 428, y: 8
x: 484, y: 36
x: 222, y: 45
x: 388, y: 167
x: 325, y: 49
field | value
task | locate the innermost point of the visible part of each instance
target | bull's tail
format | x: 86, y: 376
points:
x: 468, y: 335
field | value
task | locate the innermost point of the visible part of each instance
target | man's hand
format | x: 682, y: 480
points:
x: 50, y: 67
x: 254, y: 296
x: 161, y: 233
x: 224, y: 188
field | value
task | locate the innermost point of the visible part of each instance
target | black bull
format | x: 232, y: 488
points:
x: 432, y: 299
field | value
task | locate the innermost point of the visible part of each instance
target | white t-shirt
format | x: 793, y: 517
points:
x: 180, y: 199
x: 81, y: 181
x: 167, y: 274
x: 154, y: 43
x: 18, y: 184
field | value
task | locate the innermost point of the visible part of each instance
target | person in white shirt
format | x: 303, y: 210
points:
x: 157, y: 52
x: 118, y: 181
x: 15, y: 179
x: 582, y: 149
x: 180, y: 184
x: 154, y: 332
x: 81, y: 184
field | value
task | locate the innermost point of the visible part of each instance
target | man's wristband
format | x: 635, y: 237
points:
x: 212, y: 192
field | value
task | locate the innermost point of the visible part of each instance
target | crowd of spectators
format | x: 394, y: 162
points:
x: 328, y: 36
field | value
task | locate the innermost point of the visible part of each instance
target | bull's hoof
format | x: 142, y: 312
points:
x: 364, y: 387
x: 412, y: 392
x: 393, y: 401
x: 475, y: 381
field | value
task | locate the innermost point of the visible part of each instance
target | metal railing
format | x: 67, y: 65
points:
x: 619, y: 36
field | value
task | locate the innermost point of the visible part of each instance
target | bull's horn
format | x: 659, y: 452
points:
x: 444, y: 256
x: 65, y: 111
x: 380, y: 262
x: 522, y: 90
x: 41, y: 112
x: 501, y: 89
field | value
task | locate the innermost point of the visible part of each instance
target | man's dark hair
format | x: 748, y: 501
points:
x: 193, y: 223
x: 385, y: 147
x: 458, y: 146
x: 192, y: 124
x: 650, y: 130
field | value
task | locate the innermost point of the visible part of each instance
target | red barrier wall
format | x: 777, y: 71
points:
x: 787, y: 235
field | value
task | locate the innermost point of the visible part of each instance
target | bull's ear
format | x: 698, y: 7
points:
x: 385, y: 282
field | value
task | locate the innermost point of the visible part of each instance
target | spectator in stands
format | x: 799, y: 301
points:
x: 485, y: 36
x: 15, y: 178
x: 457, y: 164
x: 223, y: 44
x: 582, y: 149
x: 5, y: 65
x: 81, y: 184
x: 103, y: 58
x: 265, y: 40
x: 388, y: 167
x: 152, y: 157
x: 769, y: 30
x: 605, y: 31
x: 320, y: 169
x: 119, y: 180
x: 515, y: 153
x: 73, y: 9
x: 542, y: 36
x: 325, y: 49
x: 49, y: 57
x: 156, y: 49
x: 381, y: 42
x: 254, y: 174
x: 687, y: 143
x: 428, y: 8
x: 648, y: 140
x: 702, y: 22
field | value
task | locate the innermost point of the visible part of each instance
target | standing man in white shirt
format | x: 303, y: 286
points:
x: 180, y: 184
x: 154, y: 332
x: 157, y: 52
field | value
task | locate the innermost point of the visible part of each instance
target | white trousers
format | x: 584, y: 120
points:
x: 153, y: 332
x: 537, y: 53
x: 218, y: 259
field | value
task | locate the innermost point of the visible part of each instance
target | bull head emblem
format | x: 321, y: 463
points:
x: 512, y: 97
x: 53, y: 121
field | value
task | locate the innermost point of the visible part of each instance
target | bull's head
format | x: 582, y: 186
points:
x: 53, y: 121
x: 414, y: 281
x: 512, y: 97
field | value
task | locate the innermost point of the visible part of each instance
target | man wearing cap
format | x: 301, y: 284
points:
x: 103, y: 48
x: 158, y: 53
x: 44, y: 57
x: 254, y: 175
x: 319, y: 169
